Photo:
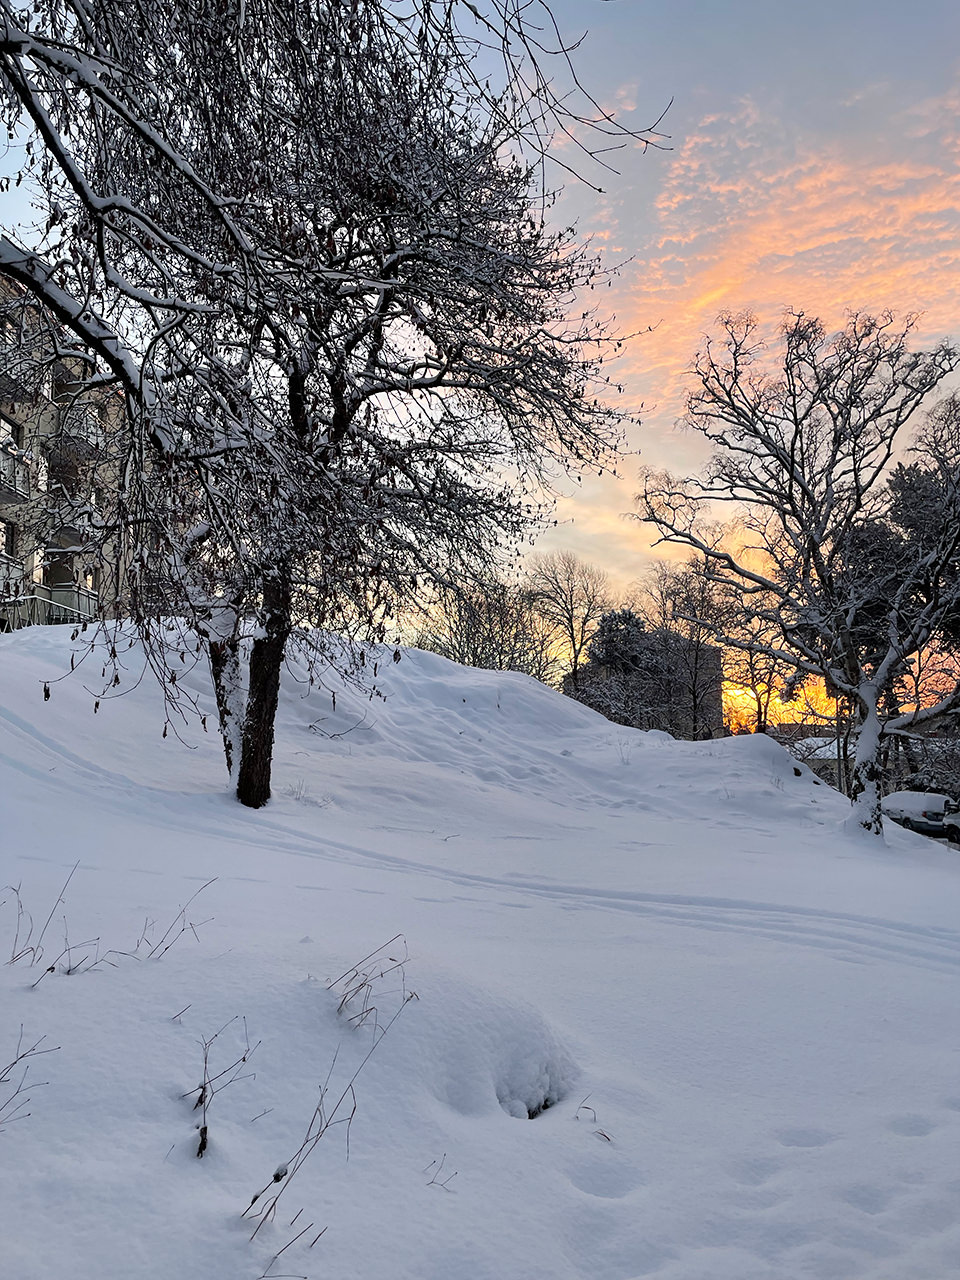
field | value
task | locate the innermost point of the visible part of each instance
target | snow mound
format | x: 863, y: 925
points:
x: 733, y: 1022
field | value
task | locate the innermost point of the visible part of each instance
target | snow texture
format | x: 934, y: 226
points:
x: 733, y: 1022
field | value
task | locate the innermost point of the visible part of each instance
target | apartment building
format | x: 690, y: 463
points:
x: 55, y: 425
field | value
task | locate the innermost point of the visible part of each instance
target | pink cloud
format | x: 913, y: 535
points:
x: 751, y: 215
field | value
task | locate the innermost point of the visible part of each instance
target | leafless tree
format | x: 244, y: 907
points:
x: 572, y: 595
x: 490, y: 624
x: 805, y: 451
x: 685, y: 610
x: 309, y: 245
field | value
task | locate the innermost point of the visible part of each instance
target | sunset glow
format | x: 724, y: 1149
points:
x: 799, y: 176
x: 812, y: 707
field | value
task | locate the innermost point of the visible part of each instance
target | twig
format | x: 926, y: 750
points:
x: 21, y: 1056
x: 161, y: 948
x: 287, y: 1246
x: 357, y: 984
x: 54, y: 907
x: 208, y: 1089
x: 355, y: 981
x: 583, y: 1107
x: 436, y: 1180
x: 26, y: 948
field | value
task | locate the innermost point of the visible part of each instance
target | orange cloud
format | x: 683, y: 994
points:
x: 743, y: 222
x: 752, y: 215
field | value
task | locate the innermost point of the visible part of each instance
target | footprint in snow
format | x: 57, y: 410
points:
x: 804, y: 1137
x: 867, y: 1198
x: 607, y: 1179
x: 911, y: 1126
x: 754, y: 1173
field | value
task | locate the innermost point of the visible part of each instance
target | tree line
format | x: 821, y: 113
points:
x: 840, y: 566
x: 637, y: 657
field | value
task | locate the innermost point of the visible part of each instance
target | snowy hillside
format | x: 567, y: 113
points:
x: 736, y: 1026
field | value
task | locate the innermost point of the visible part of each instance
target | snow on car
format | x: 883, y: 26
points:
x: 921, y: 811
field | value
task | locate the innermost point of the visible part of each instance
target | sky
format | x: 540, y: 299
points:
x: 812, y: 163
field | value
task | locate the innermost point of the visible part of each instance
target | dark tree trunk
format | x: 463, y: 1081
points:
x: 266, y: 664
x: 266, y: 656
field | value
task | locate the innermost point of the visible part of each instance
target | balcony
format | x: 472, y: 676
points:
x: 69, y: 373
x: 77, y: 437
x: 43, y: 606
x: 11, y: 576
x: 71, y: 526
x: 14, y: 473
x: 18, y: 374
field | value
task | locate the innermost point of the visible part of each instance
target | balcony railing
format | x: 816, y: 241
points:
x: 11, y: 575
x: 70, y: 526
x: 46, y: 606
x: 14, y: 473
x: 18, y: 376
x: 79, y: 434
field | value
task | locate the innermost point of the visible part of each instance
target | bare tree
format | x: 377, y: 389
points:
x: 684, y: 610
x: 573, y: 596
x: 343, y: 396
x: 805, y: 451
x: 493, y: 625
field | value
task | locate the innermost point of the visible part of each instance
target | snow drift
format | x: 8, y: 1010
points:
x: 472, y: 902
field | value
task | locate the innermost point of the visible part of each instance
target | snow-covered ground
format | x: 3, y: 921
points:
x: 745, y: 1021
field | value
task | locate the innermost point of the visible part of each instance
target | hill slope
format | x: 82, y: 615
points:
x: 742, y: 1020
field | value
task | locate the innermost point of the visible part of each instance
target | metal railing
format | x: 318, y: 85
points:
x: 46, y: 606
x: 14, y: 474
x: 80, y: 430
x: 11, y: 575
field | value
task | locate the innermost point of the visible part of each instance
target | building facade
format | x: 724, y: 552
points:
x: 55, y: 426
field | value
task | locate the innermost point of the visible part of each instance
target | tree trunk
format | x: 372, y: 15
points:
x: 266, y: 664
x: 228, y: 689
x: 865, y: 786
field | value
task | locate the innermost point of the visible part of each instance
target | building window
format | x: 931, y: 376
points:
x: 12, y: 430
x: 8, y: 538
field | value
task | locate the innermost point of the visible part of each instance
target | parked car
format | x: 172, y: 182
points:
x: 951, y: 827
x: 922, y: 811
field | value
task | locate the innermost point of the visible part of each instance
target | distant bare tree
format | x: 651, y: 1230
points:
x: 761, y: 674
x: 684, y: 610
x: 572, y: 595
x: 493, y: 625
